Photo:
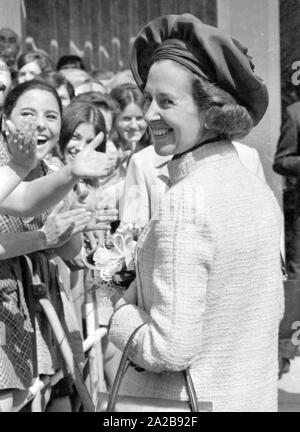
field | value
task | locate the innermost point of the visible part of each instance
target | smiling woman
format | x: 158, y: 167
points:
x: 131, y: 131
x: 37, y: 106
x: 82, y: 121
x: 31, y: 64
x: 175, y: 121
x: 209, y: 282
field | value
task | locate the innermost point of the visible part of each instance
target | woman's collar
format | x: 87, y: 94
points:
x: 207, y: 152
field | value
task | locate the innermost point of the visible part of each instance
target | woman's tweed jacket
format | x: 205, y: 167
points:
x: 210, y: 287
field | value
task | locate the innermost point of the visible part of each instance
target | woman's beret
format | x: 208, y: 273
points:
x: 214, y: 55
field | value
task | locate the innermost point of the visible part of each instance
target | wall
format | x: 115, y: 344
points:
x: 10, y: 15
x: 256, y: 24
x: 101, y: 31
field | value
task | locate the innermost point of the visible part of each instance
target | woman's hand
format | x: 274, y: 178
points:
x: 91, y: 164
x: 105, y: 217
x: 91, y: 241
x: 85, y: 196
x: 22, y: 144
x: 126, y: 297
x: 60, y: 227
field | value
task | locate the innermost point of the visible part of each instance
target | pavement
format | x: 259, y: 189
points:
x: 289, y: 388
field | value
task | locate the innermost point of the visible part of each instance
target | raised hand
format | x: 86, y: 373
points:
x: 91, y: 164
x: 22, y: 144
x: 61, y: 226
x: 85, y: 196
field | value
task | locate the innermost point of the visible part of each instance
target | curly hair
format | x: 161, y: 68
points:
x: 224, y: 115
x: 40, y: 56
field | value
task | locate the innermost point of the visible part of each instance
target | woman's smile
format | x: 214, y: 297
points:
x: 131, y: 124
x: 160, y: 132
x: 42, y: 139
x: 171, y: 111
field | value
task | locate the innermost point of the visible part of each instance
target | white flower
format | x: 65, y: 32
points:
x: 105, y: 257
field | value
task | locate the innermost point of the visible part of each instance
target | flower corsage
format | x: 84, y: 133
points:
x: 113, y: 264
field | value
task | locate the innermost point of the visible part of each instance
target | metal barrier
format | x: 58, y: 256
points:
x: 91, y: 346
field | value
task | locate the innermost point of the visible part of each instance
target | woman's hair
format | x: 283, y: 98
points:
x: 75, y: 76
x: 99, y: 75
x: 74, y: 115
x: 121, y: 78
x: 126, y: 94
x: 70, y: 61
x: 39, y: 56
x: 99, y: 99
x: 224, y: 115
x: 88, y: 86
x: 13, y: 96
x: 123, y: 96
x: 57, y: 80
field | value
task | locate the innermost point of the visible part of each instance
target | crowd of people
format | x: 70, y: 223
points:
x: 83, y: 153
x: 55, y: 119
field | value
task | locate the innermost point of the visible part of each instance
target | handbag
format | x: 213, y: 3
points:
x: 112, y: 402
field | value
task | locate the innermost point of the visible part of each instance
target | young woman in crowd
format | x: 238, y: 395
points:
x: 108, y: 107
x: 70, y: 62
x: 31, y: 64
x: 33, y: 197
x: 23, y: 152
x: 131, y: 130
x: 43, y: 237
x: 209, y: 282
x: 82, y: 121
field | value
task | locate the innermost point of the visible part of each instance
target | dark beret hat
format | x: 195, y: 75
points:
x: 215, y: 56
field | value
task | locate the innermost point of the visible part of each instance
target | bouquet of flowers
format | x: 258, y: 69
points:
x: 113, y: 263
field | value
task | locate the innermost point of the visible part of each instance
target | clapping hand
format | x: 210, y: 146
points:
x: 85, y: 196
x: 21, y: 144
x: 60, y: 225
x: 89, y: 163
